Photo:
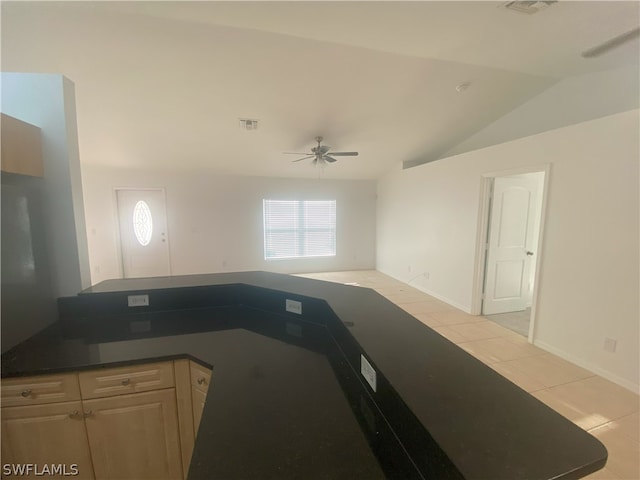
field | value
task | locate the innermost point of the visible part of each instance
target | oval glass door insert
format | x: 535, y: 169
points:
x: 142, y: 223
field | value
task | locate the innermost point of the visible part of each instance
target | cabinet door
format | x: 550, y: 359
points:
x: 185, y: 411
x: 53, y: 434
x: 198, y: 397
x: 200, y: 381
x: 134, y: 436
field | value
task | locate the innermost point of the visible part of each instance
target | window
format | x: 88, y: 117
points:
x: 142, y: 223
x: 299, y: 228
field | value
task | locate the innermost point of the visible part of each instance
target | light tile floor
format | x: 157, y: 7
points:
x: 516, y: 321
x: 606, y: 410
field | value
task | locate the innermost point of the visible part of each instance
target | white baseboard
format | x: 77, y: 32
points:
x: 623, y: 382
x: 466, y: 309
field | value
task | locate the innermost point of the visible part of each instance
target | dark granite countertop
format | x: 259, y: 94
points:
x: 436, y: 412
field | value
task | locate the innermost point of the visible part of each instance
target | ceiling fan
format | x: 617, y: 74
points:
x: 321, y: 154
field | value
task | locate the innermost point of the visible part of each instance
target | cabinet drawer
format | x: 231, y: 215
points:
x: 200, y: 377
x: 40, y: 389
x: 123, y: 380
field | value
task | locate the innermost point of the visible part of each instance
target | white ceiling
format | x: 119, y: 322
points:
x: 162, y: 84
x: 471, y: 32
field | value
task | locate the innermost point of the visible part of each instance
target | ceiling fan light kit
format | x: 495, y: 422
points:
x: 320, y: 154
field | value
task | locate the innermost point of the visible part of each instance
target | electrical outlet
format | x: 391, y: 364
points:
x: 610, y: 345
x: 368, y: 372
x: 293, y: 306
x: 426, y: 275
x: 138, y: 300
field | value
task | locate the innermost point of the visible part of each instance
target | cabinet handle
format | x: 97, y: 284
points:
x: 126, y: 382
x: 201, y: 381
x: 25, y: 393
x: 87, y: 414
x: 74, y: 414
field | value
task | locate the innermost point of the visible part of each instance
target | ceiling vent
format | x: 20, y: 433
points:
x: 528, y: 7
x: 248, y: 124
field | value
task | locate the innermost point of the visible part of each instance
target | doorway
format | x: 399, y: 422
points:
x: 144, y: 240
x: 509, y: 259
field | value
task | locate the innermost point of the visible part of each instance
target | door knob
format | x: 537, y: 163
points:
x: 529, y: 253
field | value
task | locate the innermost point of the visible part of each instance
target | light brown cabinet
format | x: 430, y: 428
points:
x: 39, y: 389
x: 118, y: 422
x: 123, y: 380
x: 192, y: 383
x: 51, y: 434
x: 146, y: 426
x: 21, y: 147
x: 198, y: 398
x: 200, y: 380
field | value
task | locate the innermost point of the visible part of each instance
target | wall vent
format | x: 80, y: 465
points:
x: 528, y: 7
x: 248, y: 124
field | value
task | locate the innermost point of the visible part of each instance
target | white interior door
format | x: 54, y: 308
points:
x: 144, y: 241
x: 511, y: 242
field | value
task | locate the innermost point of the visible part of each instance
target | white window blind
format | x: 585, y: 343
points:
x: 299, y: 228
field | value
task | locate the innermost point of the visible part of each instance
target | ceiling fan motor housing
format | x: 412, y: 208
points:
x: 321, y: 153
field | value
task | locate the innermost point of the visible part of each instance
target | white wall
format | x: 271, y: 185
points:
x: 570, y: 101
x: 48, y: 101
x: 215, y: 221
x: 427, y: 221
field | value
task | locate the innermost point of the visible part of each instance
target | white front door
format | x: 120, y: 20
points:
x: 511, y: 242
x: 144, y: 242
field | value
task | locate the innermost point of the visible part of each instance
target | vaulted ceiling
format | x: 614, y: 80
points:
x: 164, y: 84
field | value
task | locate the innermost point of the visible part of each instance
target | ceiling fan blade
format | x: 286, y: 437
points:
x: 329, y: 159
x: 296, y: 153
x: 303, y: 158
x: 344, y: 154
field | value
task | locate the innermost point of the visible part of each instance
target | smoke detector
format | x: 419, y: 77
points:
x: 248, y: 124
x: 528, y: 7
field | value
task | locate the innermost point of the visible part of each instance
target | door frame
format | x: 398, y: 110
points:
x: 117, y: 223
x: 483, y: 230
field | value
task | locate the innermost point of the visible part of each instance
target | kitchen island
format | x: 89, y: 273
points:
x: 313, y: 379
